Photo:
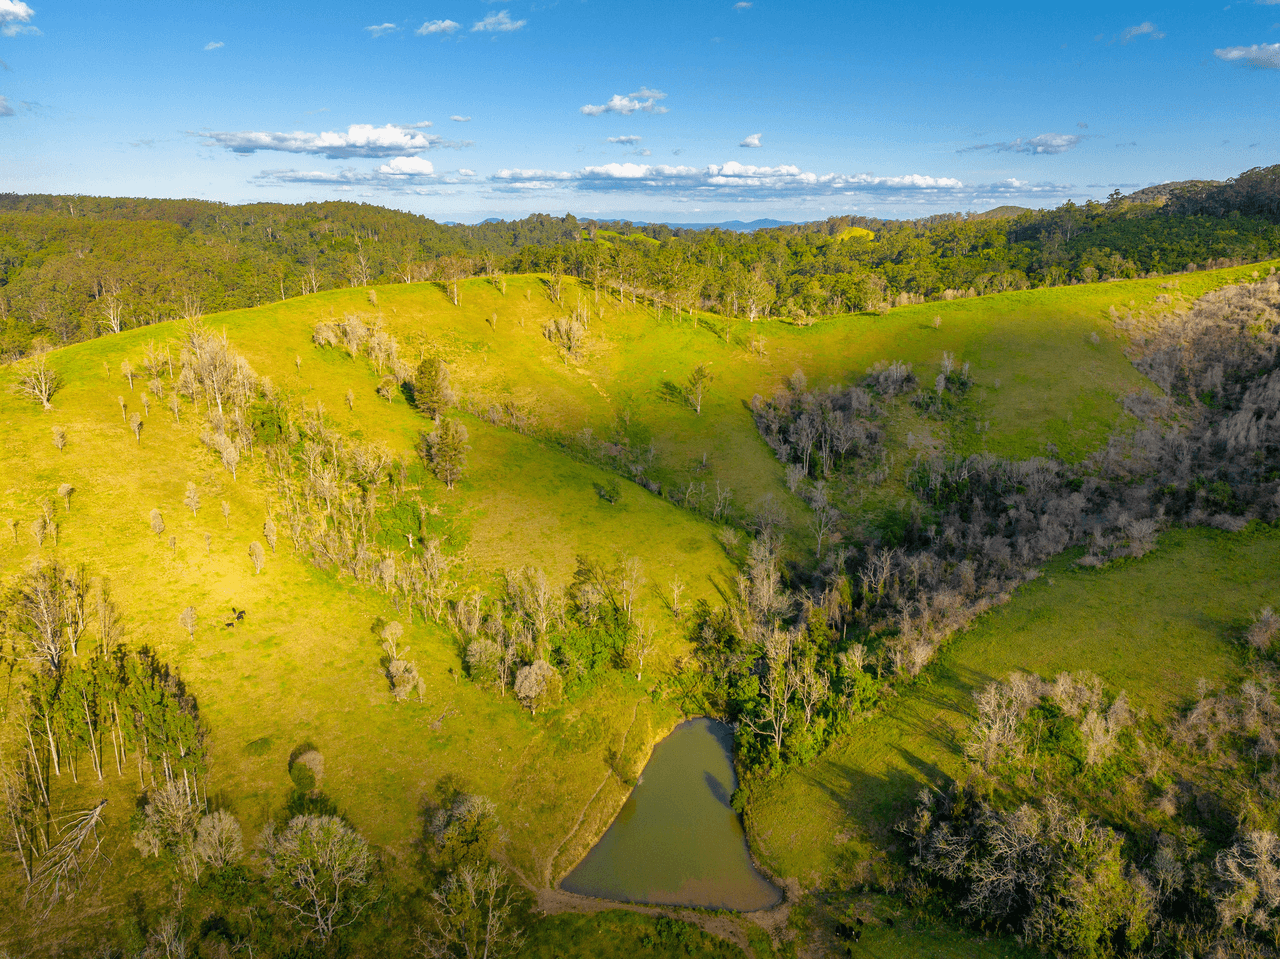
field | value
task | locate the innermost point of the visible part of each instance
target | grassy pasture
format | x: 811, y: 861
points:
x: 305, y: 664
x: 1151, y: 627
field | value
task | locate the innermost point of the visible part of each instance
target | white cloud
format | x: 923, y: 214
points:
x: 382, y: 28
x: 1264, y: 55
x: 465, y: 172
x: 437, y: 26
x: 404, y: 175
x: 1046, y: 143
x: 497, y: 23
x: 744, y: 5
x: 407, y: 166
x: 214, y: 45
x: 1144, y: 29
x: 745, y: 183
x: 627, y: 140
x: 644, y: 100
x: 15, y: 18
x: 457, y: 119
x: 752, y: 141
x: 359, y: 140
x: 5, y: 109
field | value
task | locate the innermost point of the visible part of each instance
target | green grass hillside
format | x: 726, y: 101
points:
x: 304, y: 665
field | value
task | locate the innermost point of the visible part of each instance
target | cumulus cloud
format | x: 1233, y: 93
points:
x: 437, y: 26
x: 382, y: 28
x: 214, y: 45
x: 752, y: 141
x: 497, y: 23
x: 1145, y: 29
x: 465, y: 172
x: 5, y: 109
x: 15, y: 18
x: 644, y: 100
x: 1263, y: 55
x: 627, y: 140
x: 407, y: 166
x: 359, y: 140
x: 457, y: 119
x: 1048, y: 143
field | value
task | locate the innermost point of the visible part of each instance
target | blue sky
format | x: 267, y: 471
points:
x: 681, y: 111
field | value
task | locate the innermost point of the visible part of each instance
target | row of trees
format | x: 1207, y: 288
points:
x: 77, y: 267
x: 90, y: 706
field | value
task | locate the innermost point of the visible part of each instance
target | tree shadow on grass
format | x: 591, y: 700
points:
x: 671, y: 392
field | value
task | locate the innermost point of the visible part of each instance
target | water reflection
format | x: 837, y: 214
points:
x: 677, y: 840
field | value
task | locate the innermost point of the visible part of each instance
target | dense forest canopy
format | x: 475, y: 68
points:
x: 75, y: 267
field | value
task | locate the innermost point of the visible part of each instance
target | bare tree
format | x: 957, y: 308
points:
x: 124, y: 408
x: 219, y: 840
x: 643, y: 642
x: 39, y: 612
x: 65, y: 490
x: 452, y: 270
x: 157, y: 522
x: 630, y: 579
x: 821, y: 523
x: 269, y: 532
x: 208, y: 543
x: 320, y: 870
x: 126, y: 368
x: 191, y: 499
x: 38, y: 380
x: 59, y: 438
x: 472, y: 917
x: 776, y: 687
x: 39, y: 530
x: 538, y: 684
x: 258, y: 555
x: 135, y: 424
x: 175, y: 406
x: 677, y: 590
x: 226, y: 513
x: 61, y: 870
x: 112, y: 308
x: 188, y: 620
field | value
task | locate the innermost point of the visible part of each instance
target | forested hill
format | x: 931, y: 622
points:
x: 74, y: 267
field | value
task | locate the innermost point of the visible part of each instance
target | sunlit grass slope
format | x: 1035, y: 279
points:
x: 304, y: 665
x: 1040, y: 377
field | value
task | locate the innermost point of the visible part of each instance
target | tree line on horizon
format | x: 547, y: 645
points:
x: 72, y: 267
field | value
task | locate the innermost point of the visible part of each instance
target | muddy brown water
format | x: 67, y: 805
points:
x: 677, y: 841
